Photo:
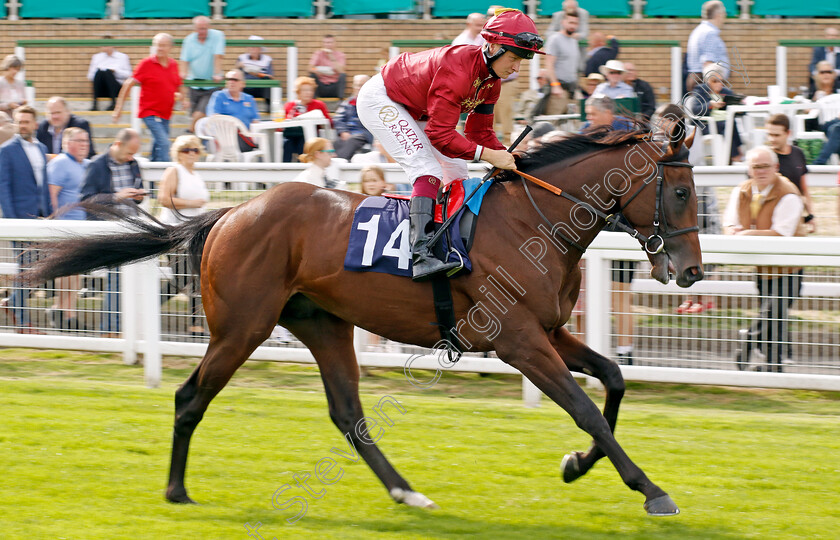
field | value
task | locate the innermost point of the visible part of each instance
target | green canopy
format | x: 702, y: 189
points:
x: 363, y: 7
x: 159, y: 9
x: 462, y: 8
x: 258, y: 8
x: 689, y: 8
x: 48, y: 9
x: 600, y: 8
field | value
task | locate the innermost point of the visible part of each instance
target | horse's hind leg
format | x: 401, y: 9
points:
x: 225, y: 353
x: 330, y: 340
x: 580, y: 358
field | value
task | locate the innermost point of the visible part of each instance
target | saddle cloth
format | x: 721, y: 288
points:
x: 379, y: 237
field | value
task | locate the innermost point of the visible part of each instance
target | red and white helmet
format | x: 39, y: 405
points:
x: 514, y: 31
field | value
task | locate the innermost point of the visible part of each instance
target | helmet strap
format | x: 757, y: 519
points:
x: 489, y: 59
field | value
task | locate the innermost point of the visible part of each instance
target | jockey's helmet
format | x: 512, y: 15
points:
x: 515, y: 32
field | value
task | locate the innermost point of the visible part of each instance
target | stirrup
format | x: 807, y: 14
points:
x: 460, y: 266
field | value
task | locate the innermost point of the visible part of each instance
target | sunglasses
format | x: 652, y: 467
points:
x: 190, y: 150
x: 526, y: 40
x: 762, y: 166
x: 826, y: 72
x: 614, y: 72
x: 232, y: 79
x: 329, y: 151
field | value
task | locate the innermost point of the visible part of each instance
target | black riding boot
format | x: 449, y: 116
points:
x: 425, y: 264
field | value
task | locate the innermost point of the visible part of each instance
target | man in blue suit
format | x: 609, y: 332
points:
x: 24, y: 194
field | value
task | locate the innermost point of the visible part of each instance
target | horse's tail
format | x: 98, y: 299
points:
x: 146, y: 238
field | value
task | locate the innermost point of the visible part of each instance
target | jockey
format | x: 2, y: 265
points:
x: 413, y: 107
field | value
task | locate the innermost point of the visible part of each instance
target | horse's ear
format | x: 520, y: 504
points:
x: 690, y: 139
x: 676, y: 136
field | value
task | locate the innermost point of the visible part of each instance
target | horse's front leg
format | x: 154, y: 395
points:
x: 581, y: 359
x: 532, y: 353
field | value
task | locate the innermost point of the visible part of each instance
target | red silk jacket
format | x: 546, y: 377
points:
x: 438, y: 85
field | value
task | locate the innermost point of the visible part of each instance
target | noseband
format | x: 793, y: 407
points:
x: 654, y: 243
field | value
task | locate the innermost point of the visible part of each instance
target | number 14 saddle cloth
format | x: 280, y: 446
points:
x: 379, y: 236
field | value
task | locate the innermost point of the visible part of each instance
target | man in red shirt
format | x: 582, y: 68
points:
x: 159, y: 82
x: 413, y: 107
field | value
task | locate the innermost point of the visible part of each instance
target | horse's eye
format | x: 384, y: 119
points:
x: 682, y: 193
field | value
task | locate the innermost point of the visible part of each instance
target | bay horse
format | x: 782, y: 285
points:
x: 278, y: 259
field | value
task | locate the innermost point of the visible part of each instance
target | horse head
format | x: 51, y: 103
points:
x: 664, y: 208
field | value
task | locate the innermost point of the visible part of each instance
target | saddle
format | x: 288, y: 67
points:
x: 449, y: 201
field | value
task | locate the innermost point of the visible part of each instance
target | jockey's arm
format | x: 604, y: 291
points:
x: 444, y: 113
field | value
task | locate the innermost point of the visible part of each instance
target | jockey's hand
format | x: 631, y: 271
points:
x: 501, y: 159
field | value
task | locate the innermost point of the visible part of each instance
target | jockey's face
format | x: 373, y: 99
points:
x: 507, y: 64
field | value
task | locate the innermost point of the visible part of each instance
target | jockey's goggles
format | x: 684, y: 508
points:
x: 526, y: 40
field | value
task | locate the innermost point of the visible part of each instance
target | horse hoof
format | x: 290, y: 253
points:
x: 570, y: 466
x: 180, y: 498
x: 661, y: 506
x: 412, y: 498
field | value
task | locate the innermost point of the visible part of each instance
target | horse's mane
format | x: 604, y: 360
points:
x: 573, y: 145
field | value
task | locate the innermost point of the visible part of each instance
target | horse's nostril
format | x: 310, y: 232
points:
x: 695, y: 273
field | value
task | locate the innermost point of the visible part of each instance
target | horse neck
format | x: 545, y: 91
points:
x: 598, y: 180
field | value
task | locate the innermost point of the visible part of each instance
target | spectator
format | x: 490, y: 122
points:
x: 7, y: 128
x: 23, y: 195
x: 12, y: 89
x: 472, y: 33
x: 159, y: 82
x: 707, y: 100
x: 563, y: 61
x: 327, y: 69
x: 600, y: 111
x: 201, y: 59
x: 533, y: 102
x: 318, y: 153
x: 66, y: 172
x: 59, y: 118
x: 293, y: 137
x: 590, y: 83
x: 792, y: 164
x: 825, y: 82
x: 705, y: 46
x: 614, y: 87
x: 377, y: 155
x: 767, y: 204
x: 830, y: 54
x: 233, y: 101
x: 108, y: 71
x: 183, y: 195
x: 599, y: 53
x: 643, y: 90
x: 114, y: 176
x: 257, y: 66
x: 373, y: 180
x: 352, y: 135
x: 570, y: 6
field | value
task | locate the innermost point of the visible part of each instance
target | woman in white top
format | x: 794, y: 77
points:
x: 183, y: 195
x: 318, y: 153
x: 12, y: 90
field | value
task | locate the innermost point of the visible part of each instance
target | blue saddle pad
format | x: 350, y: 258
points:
x: 379, y: 239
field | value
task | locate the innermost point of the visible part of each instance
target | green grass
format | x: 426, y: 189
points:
x: 85, y: 453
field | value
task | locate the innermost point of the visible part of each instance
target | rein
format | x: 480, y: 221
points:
x: 653, y: 244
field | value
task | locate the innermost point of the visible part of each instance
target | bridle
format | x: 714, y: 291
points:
x: 653, y: 244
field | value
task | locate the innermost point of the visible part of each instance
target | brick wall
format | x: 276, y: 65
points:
x: 62, y: 71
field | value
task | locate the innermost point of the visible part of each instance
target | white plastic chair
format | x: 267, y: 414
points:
x: 713, y: 143
x: 224, y: 130
x: 828, y: 108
